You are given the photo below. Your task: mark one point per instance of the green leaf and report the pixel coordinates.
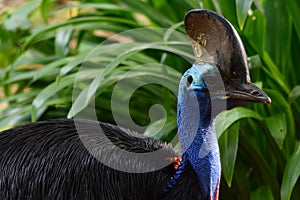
(50, 91)
(159, 3)
(255, 31)
(277, 127)
(280, 105)
(281, 20)
(150, 12)
(161, 129)
(225, 119)
(228, 143)
(195, 3)
(262, 193)
(19, 19)
(119, 53)
(254, 62)
(291, 174)
(51, 69)
(100, 6)
(293, 8)
(105, 23)
(227, 8)
(78, 105)
(48, 70)
(20, 96)
(272, 71)
(264, 169)
(295, 93)
(62, 39)
(133, 48)
(75, 62)
(45, 7)
(14, 117)
(242, 8)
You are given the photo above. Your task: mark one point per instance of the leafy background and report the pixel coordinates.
(43, 44)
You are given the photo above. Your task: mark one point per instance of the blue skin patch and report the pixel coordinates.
(196, 129)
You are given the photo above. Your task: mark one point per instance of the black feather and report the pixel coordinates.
(47, 160)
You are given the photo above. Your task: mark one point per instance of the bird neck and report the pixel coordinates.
(199, 142)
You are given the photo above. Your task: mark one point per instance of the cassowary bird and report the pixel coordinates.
(50, 160)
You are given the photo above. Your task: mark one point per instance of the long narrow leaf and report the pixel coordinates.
(225, 119)
(228, 142)
(263, 192)
(291, 175)
(242, 8)
(295, 93)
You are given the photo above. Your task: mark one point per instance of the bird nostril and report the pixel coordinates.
(255, 92)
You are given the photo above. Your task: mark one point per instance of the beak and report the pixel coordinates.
(246, 93)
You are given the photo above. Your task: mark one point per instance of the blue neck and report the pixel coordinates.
(199, 141)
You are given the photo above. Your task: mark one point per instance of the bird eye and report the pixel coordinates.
(189, 80)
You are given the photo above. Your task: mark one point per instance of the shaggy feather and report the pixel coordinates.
(47, 160)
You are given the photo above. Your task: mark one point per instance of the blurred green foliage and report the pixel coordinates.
(43, 44)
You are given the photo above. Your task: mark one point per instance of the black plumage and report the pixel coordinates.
(53, 163)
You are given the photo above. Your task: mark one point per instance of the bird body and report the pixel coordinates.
(51, 162)
(78, 159)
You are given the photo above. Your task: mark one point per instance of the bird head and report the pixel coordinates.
(220, 61)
